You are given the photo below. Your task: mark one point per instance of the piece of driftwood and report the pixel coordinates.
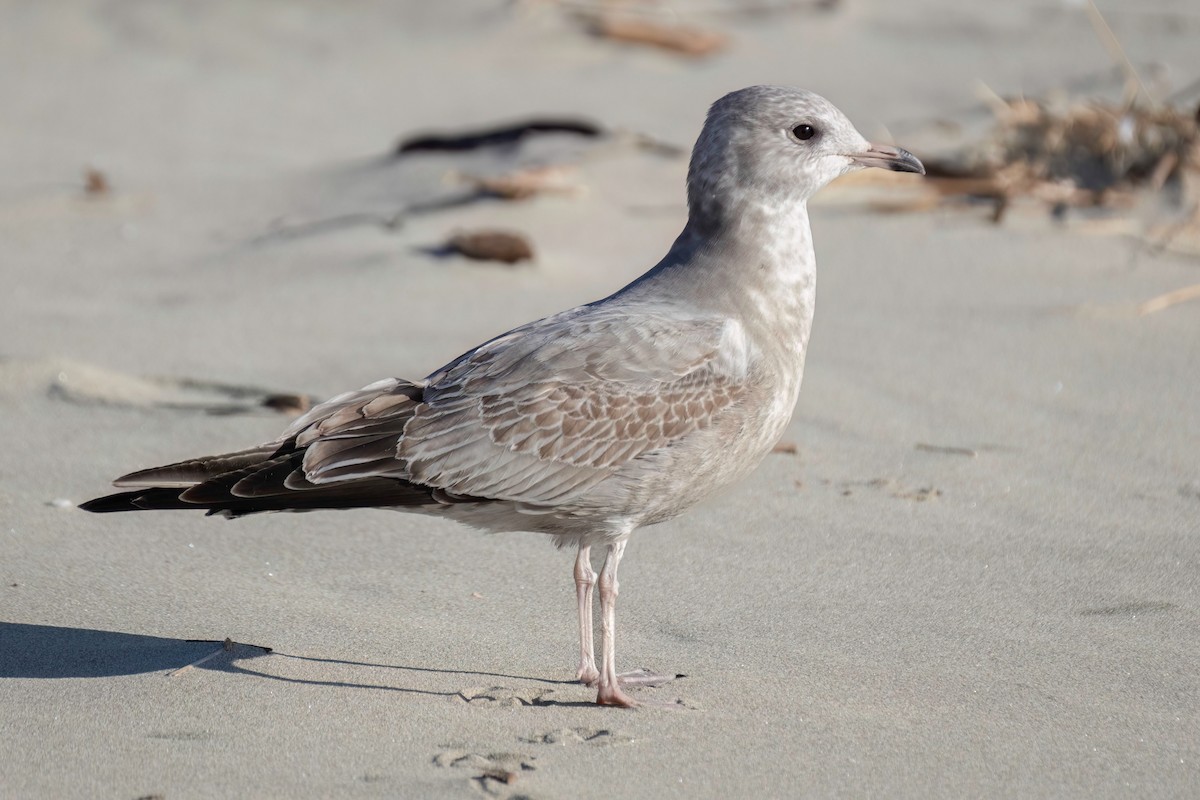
(505, 134)
(1169, 299)
(682, 39)
(490, 245)
(522, 184)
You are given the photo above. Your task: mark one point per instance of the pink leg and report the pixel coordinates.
(585, 579)
(609, 687)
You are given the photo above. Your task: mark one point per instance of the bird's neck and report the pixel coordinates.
(757, 256)
(770, 240)
(757, 268)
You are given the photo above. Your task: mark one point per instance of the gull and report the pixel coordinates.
(602, 419)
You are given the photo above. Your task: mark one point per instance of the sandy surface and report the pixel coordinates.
(872, 616)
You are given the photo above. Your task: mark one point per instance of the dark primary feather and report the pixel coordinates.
(194, 470)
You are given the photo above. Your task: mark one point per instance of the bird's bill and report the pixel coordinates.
(884, 156)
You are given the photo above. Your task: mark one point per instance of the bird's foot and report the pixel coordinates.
(611, 695)
(638, 677)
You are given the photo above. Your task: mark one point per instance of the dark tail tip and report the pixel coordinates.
(148, 499)
(111, 503)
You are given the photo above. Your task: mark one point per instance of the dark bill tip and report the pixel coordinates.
(884, 156)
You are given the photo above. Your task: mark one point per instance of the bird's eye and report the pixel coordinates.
(804, 132)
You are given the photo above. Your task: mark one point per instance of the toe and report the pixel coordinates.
(613, 696)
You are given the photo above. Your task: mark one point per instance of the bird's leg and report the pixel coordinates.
(609, 687)
(585, 579)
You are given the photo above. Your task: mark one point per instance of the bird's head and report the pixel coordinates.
(776, 144)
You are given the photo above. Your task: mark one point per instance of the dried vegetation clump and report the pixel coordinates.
(1084, 153)
(1095, 155)
(1089, 154)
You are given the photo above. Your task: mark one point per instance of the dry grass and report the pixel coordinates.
(1087, 155)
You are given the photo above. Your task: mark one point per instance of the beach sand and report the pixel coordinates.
(976, 575)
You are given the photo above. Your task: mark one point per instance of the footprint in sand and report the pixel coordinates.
(495, 773)
(504, 697)
(594, 737)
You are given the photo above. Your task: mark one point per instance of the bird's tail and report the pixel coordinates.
(272, 477)
(251, 482)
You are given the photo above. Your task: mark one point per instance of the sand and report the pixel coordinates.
(976, 576)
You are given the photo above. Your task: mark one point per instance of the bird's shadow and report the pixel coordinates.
(52, 652)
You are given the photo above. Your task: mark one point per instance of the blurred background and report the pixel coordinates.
(159, 155)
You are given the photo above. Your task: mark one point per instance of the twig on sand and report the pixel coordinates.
(1113, 45)
(522, 184)
(684, 40)
(389, 222)
(743, 8)
(1168, 299)
(946, 449)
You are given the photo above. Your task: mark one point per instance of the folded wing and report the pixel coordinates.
(537, 416)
